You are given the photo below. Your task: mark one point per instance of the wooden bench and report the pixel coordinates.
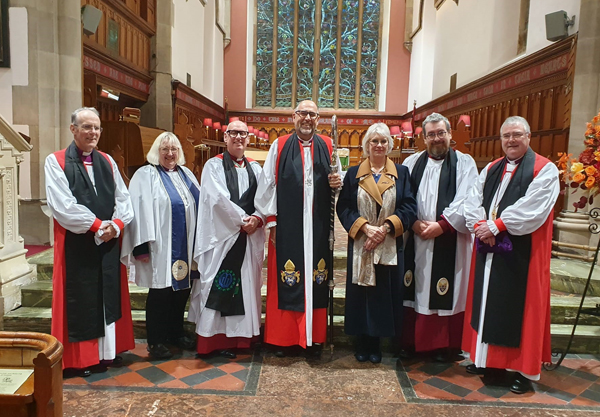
(41, 394)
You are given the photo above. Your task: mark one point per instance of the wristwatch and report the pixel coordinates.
(387, 227)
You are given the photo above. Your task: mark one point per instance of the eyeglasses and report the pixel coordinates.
(167, 150)
(237, 133)
(516, 135)
(89, 128)
(304, 113)
(440, 134)
(376, 142)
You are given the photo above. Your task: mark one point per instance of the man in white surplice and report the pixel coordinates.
(510, 206)
(226, 317)
(437, 272)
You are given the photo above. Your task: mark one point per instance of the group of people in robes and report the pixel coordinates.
(440, 258)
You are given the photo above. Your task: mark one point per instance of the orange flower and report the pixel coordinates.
(590, 170)
(579, 177)
(590, 182)
(595, 119)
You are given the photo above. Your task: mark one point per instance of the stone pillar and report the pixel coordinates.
(586, 83)
(158, 110)
(15, 271)
(572, 227)
(53, 91)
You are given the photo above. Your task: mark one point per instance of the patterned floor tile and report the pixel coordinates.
(184, 371)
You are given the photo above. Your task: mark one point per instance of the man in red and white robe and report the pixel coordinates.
(507, 320)
(91, 313)
(294, 196)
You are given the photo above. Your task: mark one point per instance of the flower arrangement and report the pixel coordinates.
(583, 173)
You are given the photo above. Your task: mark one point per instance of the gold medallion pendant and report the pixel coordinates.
(408, 278)
(442, 286)
(179, 270)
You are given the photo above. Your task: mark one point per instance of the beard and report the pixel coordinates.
(438, 151)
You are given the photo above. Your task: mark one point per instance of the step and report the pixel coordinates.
(570, 276)
(39, 294)
(563, 306)
(45, 262)
(38, 319)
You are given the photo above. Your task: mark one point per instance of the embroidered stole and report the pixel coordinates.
(181, 271)
(226, 293)
(290, 231)
(441, 288)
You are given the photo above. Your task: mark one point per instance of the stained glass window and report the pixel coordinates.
(324, 50)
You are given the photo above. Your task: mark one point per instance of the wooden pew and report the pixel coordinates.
(42, 393)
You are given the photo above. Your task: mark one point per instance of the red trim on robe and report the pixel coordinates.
(500, 225)
(535, 335)
(96, 225)
(119, 223)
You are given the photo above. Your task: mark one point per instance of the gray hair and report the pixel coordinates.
(75, 114)
(376, 129)
(165, 138)
(516, 120)
(435, 118)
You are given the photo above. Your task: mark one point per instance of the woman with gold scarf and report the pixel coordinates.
(376, 205)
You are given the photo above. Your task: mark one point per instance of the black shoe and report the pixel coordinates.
(98, 368)
(472, 369)
(159, 351)
(314, 351)
(280, 353)
(117, 362)
(75, 373)
(406, 354)
(227, 354)
(361, 356)
(521, 385)
(185, 343)
(375, 357)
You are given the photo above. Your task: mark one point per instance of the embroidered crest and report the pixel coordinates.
(226, 279)
(442, 286)
(408, 277)
(320, 274)
(179, 270)
(290, 276)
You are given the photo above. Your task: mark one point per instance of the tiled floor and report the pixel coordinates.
(334, 385)
(182, 373)
(575, 382)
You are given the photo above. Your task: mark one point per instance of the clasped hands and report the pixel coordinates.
(484, 234)
(427, 230)
(250, 224)
(375, 235)
(108, 232)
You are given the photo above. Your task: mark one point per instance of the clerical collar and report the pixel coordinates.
(238, 160)
(85, 156)
(169, 170)
(305, 143)
(516, 161)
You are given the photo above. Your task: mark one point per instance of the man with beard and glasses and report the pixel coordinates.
(509, 208)
(230, 244)
(294, 196)
(438, 250)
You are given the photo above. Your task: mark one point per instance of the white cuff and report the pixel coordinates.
(493, 227)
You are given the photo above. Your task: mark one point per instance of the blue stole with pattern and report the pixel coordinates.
(181, 271)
